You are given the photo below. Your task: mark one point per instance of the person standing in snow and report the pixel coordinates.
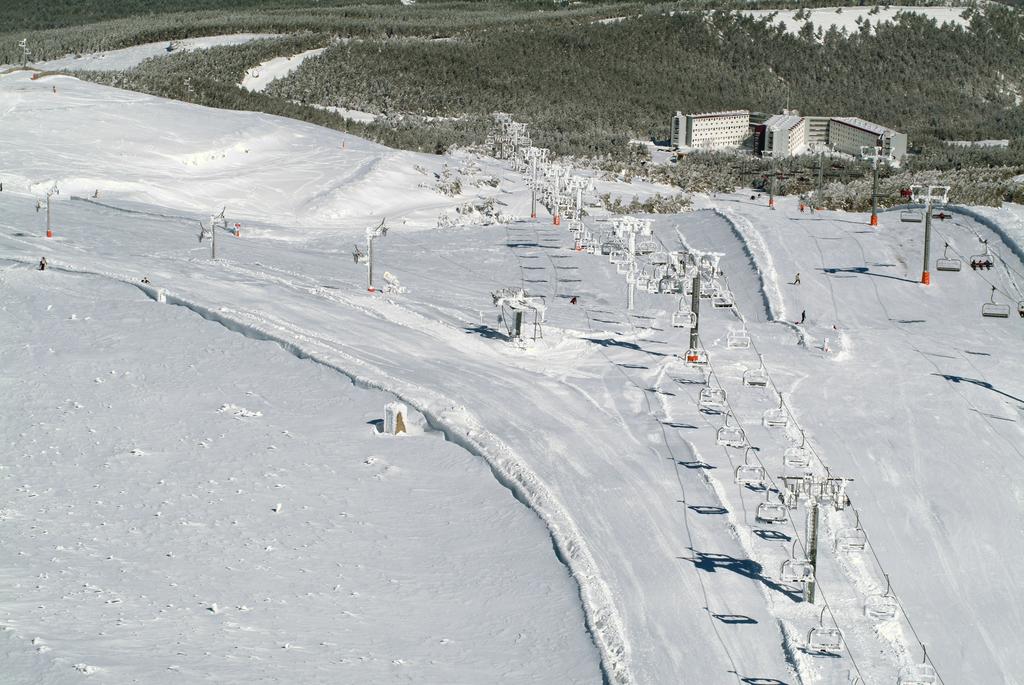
(796, 281)
(42, 264)
(573, 300)
(803, 316)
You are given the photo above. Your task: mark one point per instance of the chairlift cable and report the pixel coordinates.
(1002, 260)
(797, 537)
(682, 488)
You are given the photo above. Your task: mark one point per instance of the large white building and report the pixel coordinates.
(849, 134)
(785, 135)
(710, 130)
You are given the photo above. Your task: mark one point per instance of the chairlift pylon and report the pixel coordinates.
(825, 640)
(883, 606)
(947, 263)
(994, 309)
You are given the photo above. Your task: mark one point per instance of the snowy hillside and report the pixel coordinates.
(259, 77)
(126, 58)
(563, 511)
(849, 18)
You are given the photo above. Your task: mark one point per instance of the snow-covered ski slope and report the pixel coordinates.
(126, 58)
(595, 428)
(259, 77)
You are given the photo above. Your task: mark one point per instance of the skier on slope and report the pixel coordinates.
(796, 281)
(803, 316)
(42, 264)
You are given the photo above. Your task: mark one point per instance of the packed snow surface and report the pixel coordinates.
(186, 502)
(259, 77)
(126, 58)
(594, 427)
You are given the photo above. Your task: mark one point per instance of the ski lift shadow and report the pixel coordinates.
(706, 509)
(735, 619)
(486, 332)
(712, 562)
(863, 271)
(772, 535)
(981, 384)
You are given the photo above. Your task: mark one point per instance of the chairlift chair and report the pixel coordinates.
(911, 216)
(730, 436)
(796, 569)
(696, 356)
(617, 256)
(708, 288)
(659, 258)
(917, 674)
(770, 511)
(921, 673)
(947, 263)
(682, 318)
(646, 247)
(824, 640)
(994, 309)
(883, 606)
(756, 378)
(712, 400)
(798, 457)
(852, 538)
(622, 267)
(667, 284)
(777, 417)
(982, 261)
(724, 299)
(608, 246)
(737, 339)
(748, 473)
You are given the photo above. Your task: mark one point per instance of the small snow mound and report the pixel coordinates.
(238, 412)
(85, 668)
